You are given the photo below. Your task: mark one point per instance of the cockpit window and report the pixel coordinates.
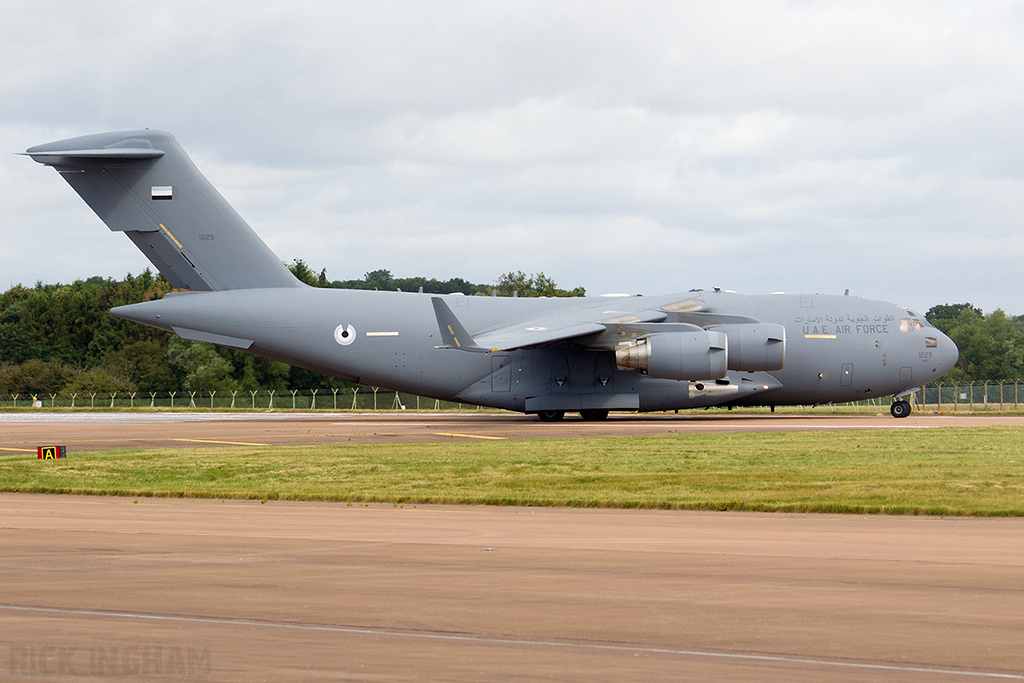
(910, 325)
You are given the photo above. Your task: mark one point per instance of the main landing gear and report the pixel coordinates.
(900, 408)
(591, 415)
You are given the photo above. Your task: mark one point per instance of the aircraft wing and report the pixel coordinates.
(543, 328)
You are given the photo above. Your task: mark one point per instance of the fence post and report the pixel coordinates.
(354, 393)
(335, 391)
(212, 394)
(294, 391)
(152, 399)
(191, 399)
(53, 400)
(73, 400)
(132, 396)
(375, 390)
(271, 406)
(312, 401)
(112, 399)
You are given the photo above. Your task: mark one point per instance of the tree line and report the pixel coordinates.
(60, 338)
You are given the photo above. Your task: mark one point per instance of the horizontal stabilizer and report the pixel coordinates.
(55, 157)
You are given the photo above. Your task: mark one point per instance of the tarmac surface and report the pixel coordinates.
(111, 588)
(22, 432)
(94, 588)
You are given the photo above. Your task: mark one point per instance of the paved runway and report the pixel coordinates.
(22, 432)
(96, 588)
(101, 588)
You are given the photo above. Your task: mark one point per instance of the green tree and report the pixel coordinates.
(532, 285)
(142, 364)
(99, 380)
(202, 367)
(34, 377)
(301, 270)
(991, 346)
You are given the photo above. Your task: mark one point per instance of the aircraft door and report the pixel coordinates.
(501, 373)
(846, 375)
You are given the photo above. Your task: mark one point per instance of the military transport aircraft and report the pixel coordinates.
(545, 356)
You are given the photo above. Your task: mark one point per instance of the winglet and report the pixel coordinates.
(454, 335)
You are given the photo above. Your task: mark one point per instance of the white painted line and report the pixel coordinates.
(514, 641)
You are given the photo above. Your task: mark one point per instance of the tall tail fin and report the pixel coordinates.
(143, 184)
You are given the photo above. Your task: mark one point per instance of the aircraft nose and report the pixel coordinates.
(949, 353)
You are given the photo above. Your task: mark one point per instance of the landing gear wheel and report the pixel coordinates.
(594, 415)
(900, 408)
(551, 415)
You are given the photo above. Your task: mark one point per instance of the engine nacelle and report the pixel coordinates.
(676, 355)
(755, 346)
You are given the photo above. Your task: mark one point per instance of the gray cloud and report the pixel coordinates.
(643, 147)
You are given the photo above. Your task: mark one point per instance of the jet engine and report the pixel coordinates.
(755, 346)
(676, 355)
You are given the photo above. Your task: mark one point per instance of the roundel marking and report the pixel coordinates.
(344, 335)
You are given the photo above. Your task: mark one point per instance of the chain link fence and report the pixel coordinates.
(363, 398)
(969, 397)
(973, 396)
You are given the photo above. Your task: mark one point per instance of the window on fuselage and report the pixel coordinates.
(910, 325)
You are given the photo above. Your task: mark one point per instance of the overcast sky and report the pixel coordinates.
(626, 147)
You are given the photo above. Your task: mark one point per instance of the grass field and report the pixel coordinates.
(947, 471)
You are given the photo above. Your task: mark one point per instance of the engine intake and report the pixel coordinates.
(677, 355)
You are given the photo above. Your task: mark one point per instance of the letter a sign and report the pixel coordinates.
(51, 452)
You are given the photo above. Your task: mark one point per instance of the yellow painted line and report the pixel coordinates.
(471, 436)
(173, 238)
(454, 337)
(819, 336)
(17, 450)
(230, 443)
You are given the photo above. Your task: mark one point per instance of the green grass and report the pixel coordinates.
(948, 471)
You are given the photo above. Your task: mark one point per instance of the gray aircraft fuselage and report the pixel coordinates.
(547, 356)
